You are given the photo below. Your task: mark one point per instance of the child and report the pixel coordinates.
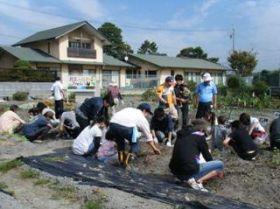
(219, 134)
(254, 127)
(241, 142)
(9, 120)
(184, 163)
(69, 127)
(40, 127)
(88, 141)
(274, 132)
(162, 127)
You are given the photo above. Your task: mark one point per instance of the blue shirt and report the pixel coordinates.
(32, 128)
(206, 92)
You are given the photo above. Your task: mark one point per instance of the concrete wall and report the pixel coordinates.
(38, 89)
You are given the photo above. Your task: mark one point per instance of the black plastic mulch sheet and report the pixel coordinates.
(91, 172)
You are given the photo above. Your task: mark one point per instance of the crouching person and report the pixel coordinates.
(241, 142)
(40, 127)
(88, 141)
(274, 132)
(162, 127)
(184, 163)
(124, 126)
(69, 127)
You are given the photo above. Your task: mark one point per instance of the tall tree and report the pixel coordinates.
(244, 61)
(118, 48)
(148, 47)
(196, 52)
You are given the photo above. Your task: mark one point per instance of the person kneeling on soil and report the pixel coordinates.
(88, 141)
(274, 132)
(10, 121)
(184, 164)
(241, 142)
(69, 127)
(254, 127)
(40, 127)
(124, 126)
(162, 127)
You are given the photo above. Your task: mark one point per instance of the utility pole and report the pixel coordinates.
(232, 36)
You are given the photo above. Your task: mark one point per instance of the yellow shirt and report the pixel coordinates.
(167, 93)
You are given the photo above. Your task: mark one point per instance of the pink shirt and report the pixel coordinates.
(9, 120)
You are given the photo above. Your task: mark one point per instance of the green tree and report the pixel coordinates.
(196, 52)
(22, 64)
(245, 62)
(118, 48)
(148, 47)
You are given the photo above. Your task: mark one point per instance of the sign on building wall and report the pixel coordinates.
(79, 81)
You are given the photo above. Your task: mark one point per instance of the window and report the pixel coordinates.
(79, 44)
(75, 70)
(172, 72)
(109, 76)
(150, 73)
(49, 47)
(132, 73)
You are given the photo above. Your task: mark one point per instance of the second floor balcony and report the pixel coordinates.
(81, 53)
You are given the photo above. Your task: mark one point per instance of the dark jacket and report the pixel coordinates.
(187, 149)
(274, 129)
(93, 108)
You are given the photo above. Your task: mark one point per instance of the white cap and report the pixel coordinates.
(207, 77)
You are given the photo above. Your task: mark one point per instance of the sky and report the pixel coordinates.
(172, 24)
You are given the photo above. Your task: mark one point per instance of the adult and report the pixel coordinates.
(206, 96)
(185, 162)
(241, 142)
(162, 127)
(115, 93)
(10, 121)
(59, 95)
(274, 132)
(92, 108)
(167, 98)
(254, 127)
(40, 127)
(88, 141)
(69, 127)
(182, 97)
(124, 126)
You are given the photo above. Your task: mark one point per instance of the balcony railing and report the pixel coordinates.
(81, 53)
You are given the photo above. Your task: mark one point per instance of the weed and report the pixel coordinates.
(17, 137)
(41, 182)
(91, 204)
(6, 166)
(276, 157)
(29, 174)
(67, 192)
(3, 185)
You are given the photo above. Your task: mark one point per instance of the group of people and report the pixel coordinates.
(97, 134)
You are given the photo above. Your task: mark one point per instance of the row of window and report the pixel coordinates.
(78, 44)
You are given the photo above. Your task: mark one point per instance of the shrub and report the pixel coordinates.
(222, 90)
(191, 85)
(22, 64)
(260, 88)
(149, 95)
(234, 82)
(20, 96)
(72, 97)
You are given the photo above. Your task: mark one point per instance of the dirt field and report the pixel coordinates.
(255, 182)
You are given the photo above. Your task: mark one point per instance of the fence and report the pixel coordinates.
(141, 83)
(27, 75)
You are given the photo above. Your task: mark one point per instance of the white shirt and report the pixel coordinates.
(85, 141)
(57, 90)
(70, 115)
(255, 122)
(132, 117)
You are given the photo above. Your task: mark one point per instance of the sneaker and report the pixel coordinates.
(196, 186)
(169, 144)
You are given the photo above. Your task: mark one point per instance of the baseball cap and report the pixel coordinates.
(207, 77)
(145, 106)
(169, 79)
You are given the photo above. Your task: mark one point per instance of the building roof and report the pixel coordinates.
(55, 33)
(111, 61)
(178, 62)
(36, 55)
(29, 54)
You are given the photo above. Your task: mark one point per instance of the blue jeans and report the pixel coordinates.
(205, 168)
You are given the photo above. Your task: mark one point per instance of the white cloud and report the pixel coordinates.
(16, 11)
(90, 9)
